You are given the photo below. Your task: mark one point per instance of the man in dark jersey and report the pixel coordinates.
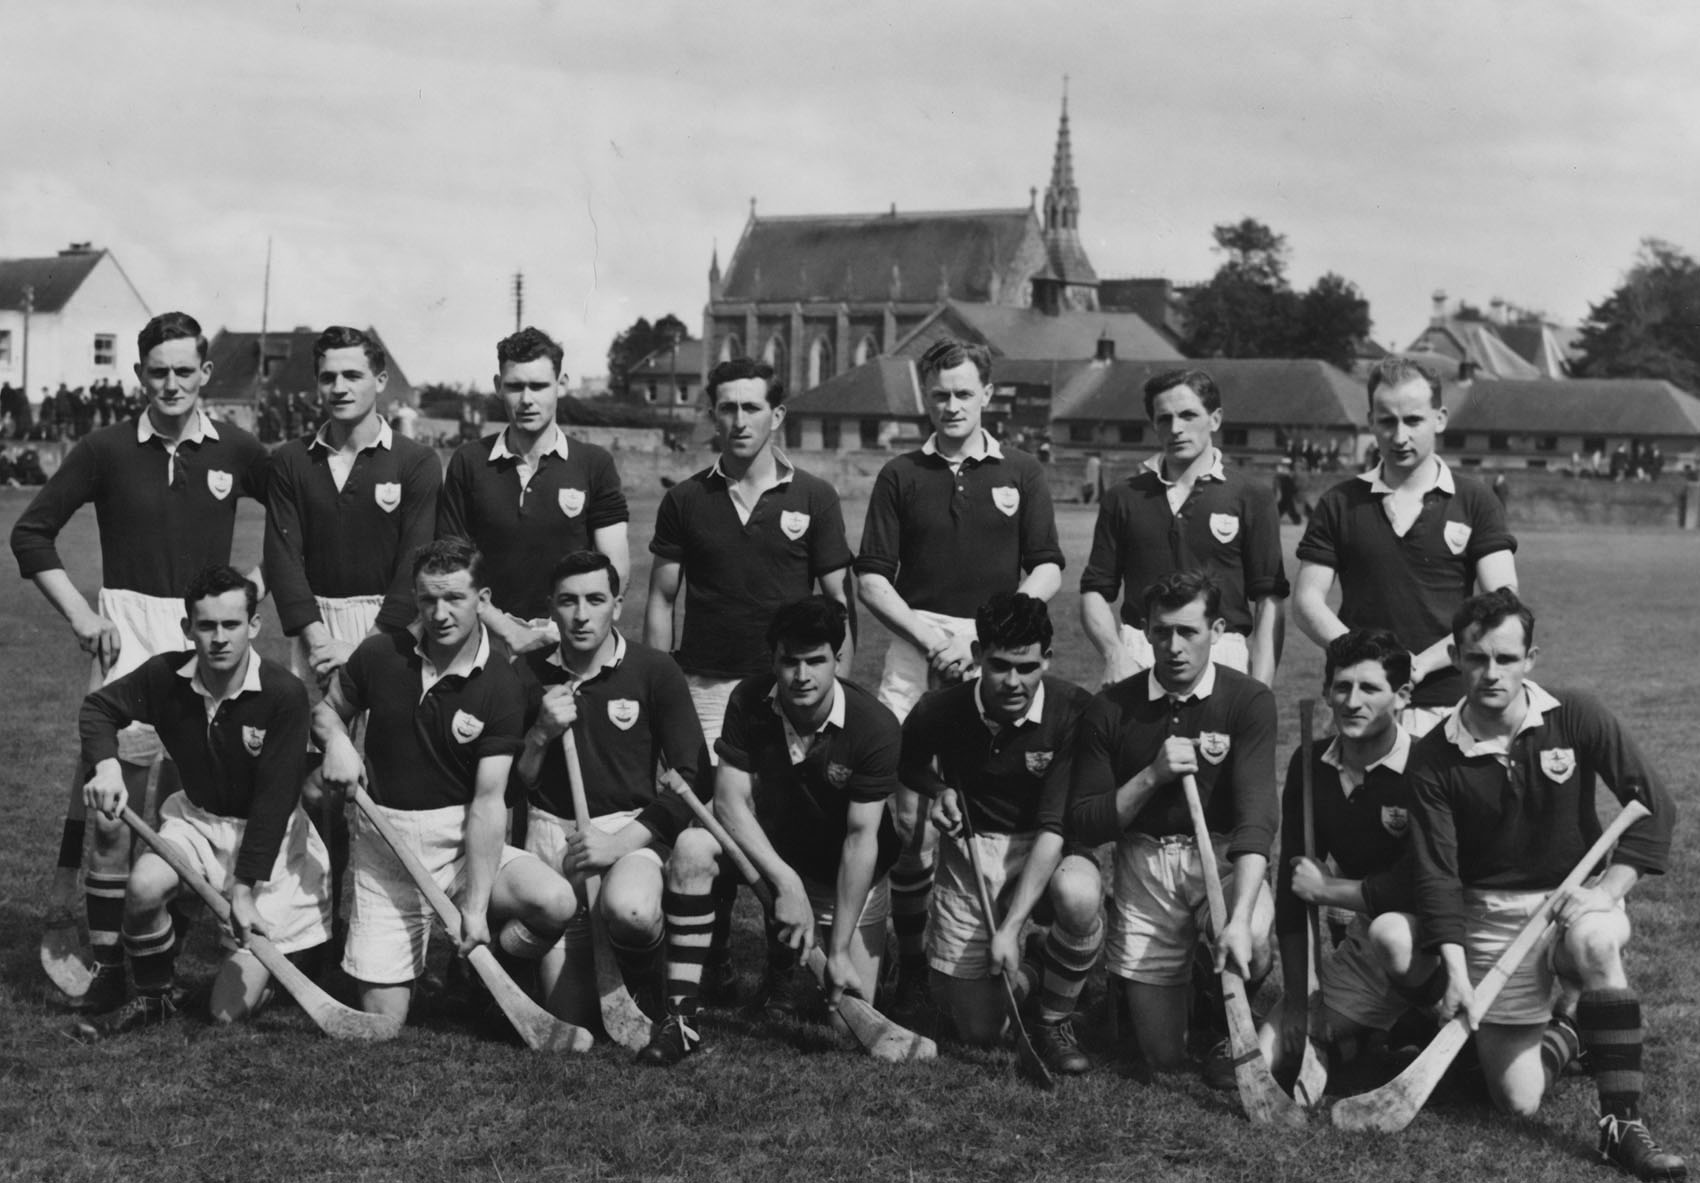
(236, 726)
(1408, 541)
(164, 488)
(1000, 749)
(528, 494)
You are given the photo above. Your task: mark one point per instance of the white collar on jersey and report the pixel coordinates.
(614, 659)
(1155, 690)
(1035, 709)
(1440, 477)
(386, 436)
(1458, 735)
(982, 446)
(1154, 464)
(500, 451)
(250, 680)
(202, 429)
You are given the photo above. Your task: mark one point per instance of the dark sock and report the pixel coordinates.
(1610, 1025)
(153, 957)
(1067, 960)
(104, 899)
(690, 921)
(911, 887)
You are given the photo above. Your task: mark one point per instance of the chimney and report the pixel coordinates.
(78, 248)
(1499, 311)
(1438, 316)
(1106, 348)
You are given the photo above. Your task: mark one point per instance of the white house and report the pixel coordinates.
(81, 324)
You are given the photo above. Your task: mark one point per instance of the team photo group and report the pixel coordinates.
(463, 740)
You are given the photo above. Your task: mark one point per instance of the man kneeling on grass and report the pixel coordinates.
(1004, 746)
(1361, 805)
(629, 710)
(236, 726)
(1503, 807)
(445, 720)
(807, 763)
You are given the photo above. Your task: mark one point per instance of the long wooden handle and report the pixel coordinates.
(1206, 855)
(712, 824)
(575, 776)
(422, 878)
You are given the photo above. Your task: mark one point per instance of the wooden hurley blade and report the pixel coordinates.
(881, 1037)
(65, 957)
(1391, 1107)
(540, 1030)
(1026, 1056)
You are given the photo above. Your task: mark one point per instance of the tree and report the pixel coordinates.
(633, 344)
(1650, 326)
(1249, 309)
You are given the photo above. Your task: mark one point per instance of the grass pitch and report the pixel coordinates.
(455, 1100)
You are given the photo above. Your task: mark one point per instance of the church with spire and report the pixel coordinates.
(817, 295)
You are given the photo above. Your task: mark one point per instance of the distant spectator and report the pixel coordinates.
(1501, 487)
(1092, 480)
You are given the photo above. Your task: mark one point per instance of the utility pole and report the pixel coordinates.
(265, 314)
(519, 300)
(29, 307)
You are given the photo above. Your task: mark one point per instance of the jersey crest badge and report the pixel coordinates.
(1038, 763)
(571, 501)
(388, 495)
(1395, 820)
(1225, 527)
(253, 739)
(793, 524)
(465, 727)
(1558, 764)
(219, 483)
(1007, 498)
(1213, 746)
(623, 712)
(1457, 535)
(837, 775)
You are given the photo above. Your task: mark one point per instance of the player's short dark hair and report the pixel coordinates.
(1013, 620)
(739, 369)
(528, 344)
(1200, 383)
(947, 353)
(1396, 371)
(214, 580)
(806, 623)
(1369, 644)
(343, 337)
(583, 562)
(445, 556)
(170, 326)
(1180, 588)
(1490, 610)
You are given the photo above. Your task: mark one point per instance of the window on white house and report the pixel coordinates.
(5, 347)
(105, 349)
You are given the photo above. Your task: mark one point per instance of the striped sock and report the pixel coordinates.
(103, 897)
(690, 930)
(911, 888)
(1067, 960)
(1610, 1024)
(152, 958)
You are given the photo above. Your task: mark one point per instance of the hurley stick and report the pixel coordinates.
(1313, 1073)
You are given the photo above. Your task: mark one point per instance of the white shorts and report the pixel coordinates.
(346, 618)
(1159, 908)
(1354, 986)
(389, 919)
(1231, 649)
(876, 910)
(709, 696)
(294, 901)
(1492, 920)
(147, 626)
(546, 837)
(958, 941)
(907, 675)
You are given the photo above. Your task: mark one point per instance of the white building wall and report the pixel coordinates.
(61, 344)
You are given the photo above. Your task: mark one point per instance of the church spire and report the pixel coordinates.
(1069, 279)
(1062, 199)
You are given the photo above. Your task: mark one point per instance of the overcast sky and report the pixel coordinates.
(408, 158)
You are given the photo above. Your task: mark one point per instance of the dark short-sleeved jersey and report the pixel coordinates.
(804, 808)
(1408, 585)
(1233, 728)
(162, 518)
(1523, 822)
(1228, 527)
(633, 714)
(522, 532)
(737, 574)
(951, 540)
(1014, 781)
(1366, 834)
(247, 761)
(423, 746)
(354, 541)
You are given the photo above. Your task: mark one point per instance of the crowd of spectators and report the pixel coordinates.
(68, 413)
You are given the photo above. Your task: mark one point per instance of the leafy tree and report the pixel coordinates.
(633, 344)
(1249, 309)
(1650, 326)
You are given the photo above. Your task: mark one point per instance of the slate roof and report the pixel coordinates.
(1542, 346)
(1255, 392)
(1479, 342)
(236, 364)
(1029, 334)
(55, 279)
(1578, 406)
(882, 386)
(851, 257)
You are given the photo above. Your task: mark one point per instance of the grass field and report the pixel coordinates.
(452, 1101)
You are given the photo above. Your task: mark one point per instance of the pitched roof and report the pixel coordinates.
(861, 257)
(883, 386)
(1475, 341)
(1027, 333)
(686, 359)
(55, 279)
(1538, 344)
(236, 364)
(1255, 392)
(1578, 406)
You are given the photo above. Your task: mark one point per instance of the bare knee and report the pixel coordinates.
(1392, 940)
(150, 887)
(1594, 947)
(1077, 895)
(694, 862)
